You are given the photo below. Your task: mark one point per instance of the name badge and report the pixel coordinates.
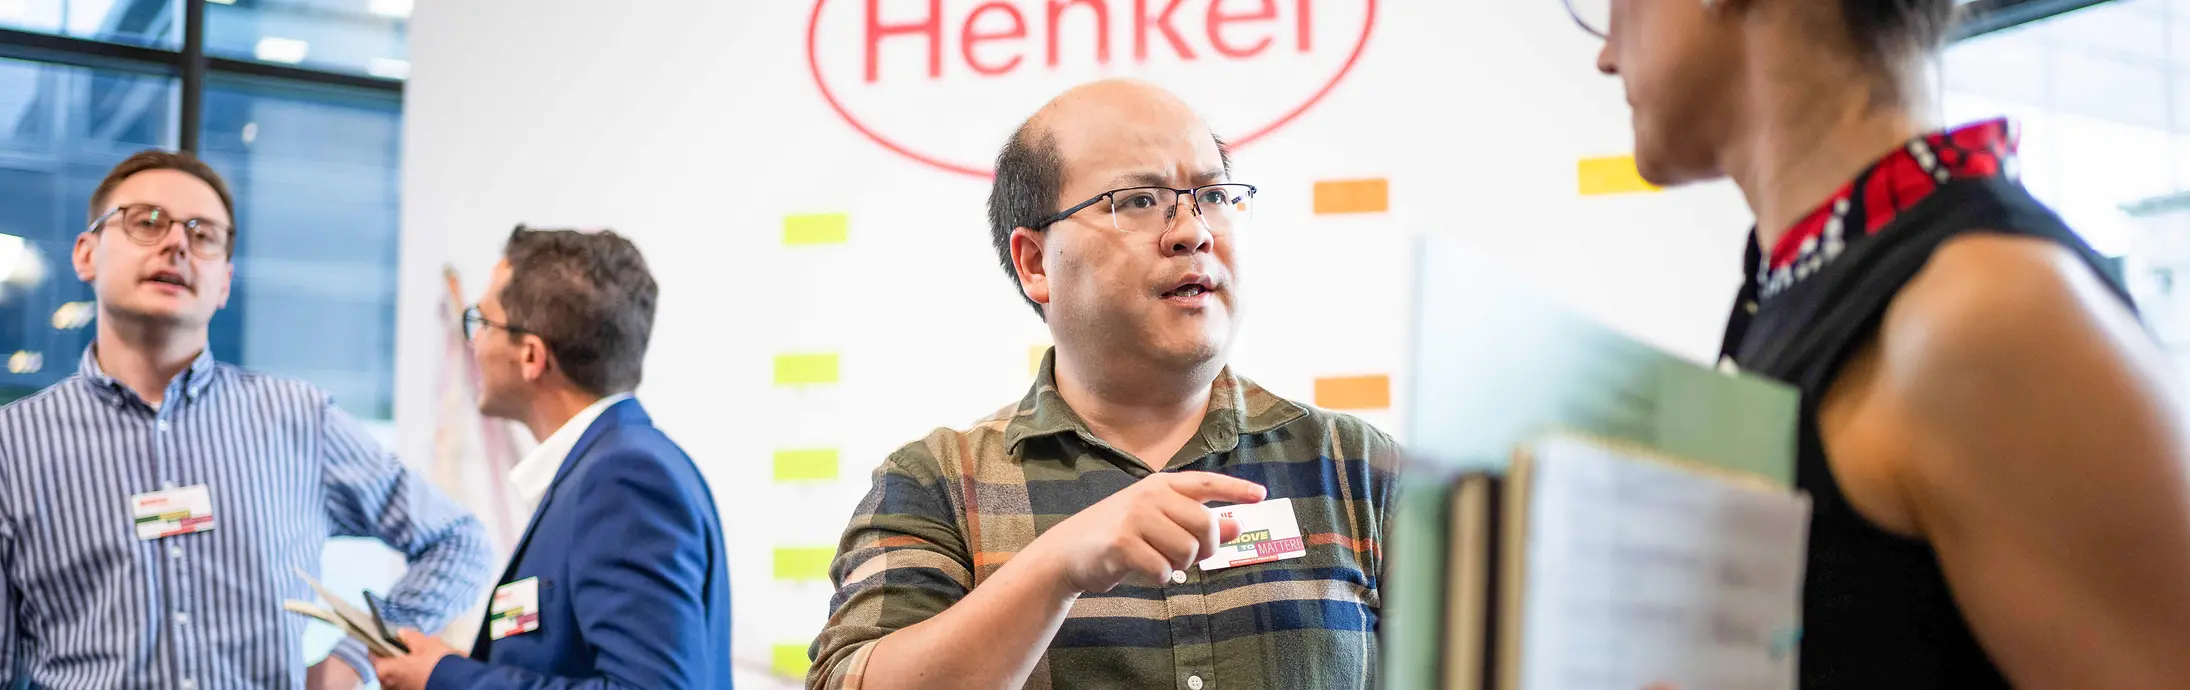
(1268, 531)
(515, 609)
(162, 514)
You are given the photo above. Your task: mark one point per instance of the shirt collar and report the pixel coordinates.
(1237, 407)
(1865, 204)
(191, 383)
(533, 475)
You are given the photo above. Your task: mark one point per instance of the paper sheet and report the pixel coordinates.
(1643, 576)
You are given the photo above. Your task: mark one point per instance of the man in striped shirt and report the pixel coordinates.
(1059, 543)
(156, 507)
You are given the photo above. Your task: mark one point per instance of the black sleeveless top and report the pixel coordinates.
(1876, 609)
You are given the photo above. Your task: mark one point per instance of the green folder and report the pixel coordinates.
(1495, 364)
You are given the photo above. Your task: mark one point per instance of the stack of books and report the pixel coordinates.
(1580, 510)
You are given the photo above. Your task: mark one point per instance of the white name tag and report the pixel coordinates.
(162, 514)
(515, 609)
(1268, 531)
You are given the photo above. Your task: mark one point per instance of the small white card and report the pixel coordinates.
(515, 609)
(1268, 531)
(162, 514)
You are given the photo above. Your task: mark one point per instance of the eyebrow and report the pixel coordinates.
(1145, 178)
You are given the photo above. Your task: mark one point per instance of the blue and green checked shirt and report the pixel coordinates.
(946, 512)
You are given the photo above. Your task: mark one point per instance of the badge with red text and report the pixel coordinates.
(162, 514)
(1267, 532)
(515, 609)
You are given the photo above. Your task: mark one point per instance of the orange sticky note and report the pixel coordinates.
(1372, 392)
(1353, 196)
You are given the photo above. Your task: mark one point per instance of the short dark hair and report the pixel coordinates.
(1030, 174)
(1893, 29)
(589, 295)
(155, 159)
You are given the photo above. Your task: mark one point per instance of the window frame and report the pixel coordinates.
(189, 64)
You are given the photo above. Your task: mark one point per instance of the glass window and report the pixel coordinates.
(61, 128)
(356, 36)
(316, 243)
(151, 23)
(2103, 95)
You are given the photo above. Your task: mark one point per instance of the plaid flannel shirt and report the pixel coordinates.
(948, 511)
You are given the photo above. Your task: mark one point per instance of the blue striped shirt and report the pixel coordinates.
(86, 604)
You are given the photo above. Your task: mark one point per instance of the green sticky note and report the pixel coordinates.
(806, 369)
(790, 660)
(817, 228)
(804, 562)
(805, 465)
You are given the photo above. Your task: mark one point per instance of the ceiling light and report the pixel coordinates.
(11, 255)
(26, 362)
(283, 50)
(398, 9)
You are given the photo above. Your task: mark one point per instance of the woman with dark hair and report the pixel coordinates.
(1995, 446)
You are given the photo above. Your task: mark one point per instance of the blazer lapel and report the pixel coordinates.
(619, 414)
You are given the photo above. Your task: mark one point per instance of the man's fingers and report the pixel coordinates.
(1227, 530)
(1196, 520)
(1177, 543)
(1204, 487)
(1146, 567)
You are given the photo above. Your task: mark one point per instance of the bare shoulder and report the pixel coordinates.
(2010, 349)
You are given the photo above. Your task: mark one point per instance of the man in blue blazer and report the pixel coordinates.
(620, 580)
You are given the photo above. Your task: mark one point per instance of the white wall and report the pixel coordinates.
(694, 127)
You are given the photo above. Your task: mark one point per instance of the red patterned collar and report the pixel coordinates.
(1892, 185)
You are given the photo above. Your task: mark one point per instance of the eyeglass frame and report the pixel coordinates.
(190, 225)
(1586, 28)
(1062, 216)
(473, 314)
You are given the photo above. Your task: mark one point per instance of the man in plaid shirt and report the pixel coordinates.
(1056, 544)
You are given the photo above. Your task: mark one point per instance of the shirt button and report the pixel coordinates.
(174, 552)
(163, 425)
(167, 483)
(1193, 683)
(1750, 307)
(182, 618)
(1178, 577)
(187, 684)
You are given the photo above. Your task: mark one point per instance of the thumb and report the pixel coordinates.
(1227, 530)
(411, 638)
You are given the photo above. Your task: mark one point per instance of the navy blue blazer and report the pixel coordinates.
(634, 585)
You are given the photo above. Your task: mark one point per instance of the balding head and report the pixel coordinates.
(1078, 124)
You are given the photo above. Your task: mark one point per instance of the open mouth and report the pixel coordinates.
(1188, 290)
(168, 278)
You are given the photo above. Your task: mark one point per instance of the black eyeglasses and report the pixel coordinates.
(473, 319)
(1219, 207)
(148, 224)
(1594, 16)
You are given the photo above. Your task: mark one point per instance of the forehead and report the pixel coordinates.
(1109, 143)
(179, 192)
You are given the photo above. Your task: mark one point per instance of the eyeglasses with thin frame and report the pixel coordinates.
(1594, 16)
(148, 224)
(1224, 207)
(474, 319)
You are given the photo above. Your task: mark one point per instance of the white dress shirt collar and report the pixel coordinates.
(536, 472)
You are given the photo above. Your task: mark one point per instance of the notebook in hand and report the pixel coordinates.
(366, 627)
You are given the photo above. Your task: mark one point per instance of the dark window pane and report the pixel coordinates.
(61, 128)
(357, 36)
(314, 171)
(154, 23)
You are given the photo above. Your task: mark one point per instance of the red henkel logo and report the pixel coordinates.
(943, 82)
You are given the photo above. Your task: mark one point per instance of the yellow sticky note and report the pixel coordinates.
(803, 562)
(1612, 175)
(1354, 392)
(789, 660)
(806, 369)
(817, 228)
(1353, 196)
(806, 465)
(1034, 359)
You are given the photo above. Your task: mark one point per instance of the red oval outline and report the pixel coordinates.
(813, 66)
